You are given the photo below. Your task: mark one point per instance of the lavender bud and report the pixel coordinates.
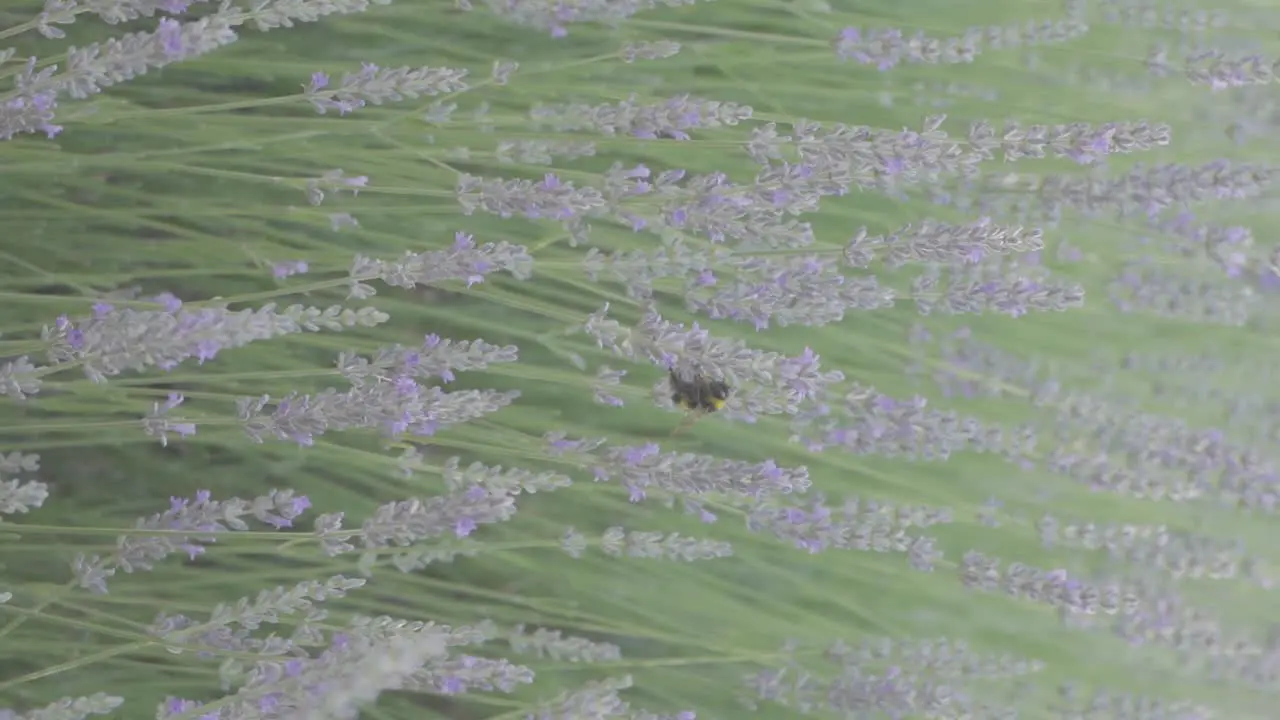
(497, 479)
(606, 378)
(503, 70)
(19, 379)
(203, 517)
(759, 215)
(867, 422)
(266, 608)
(645, 470)
(552, 17)
(594, 700)
(866, 526)
(888, 47)
(336, 684)
(32, 108)
(935, 242)
(638, 269)
(542, 152)
(1219, 72)
(436, 357)
(159, 424)
(333, 538)
(649, 50)
(551, 198)
(64, 12)
(17, 496)
(618, 542)
(543, 643)
(71, 708)
(458, 514)
(884, 677)
(1147, 287)
(1080, 142)
(94, 67)
(333, 181)
(465, 260)
(394, 407)
(574, 543)
(672, 118)
(282, 270)
(16, 462)
(1052, 587)
(465, 673)
(376, 85)
(114, 340)
(795, 291)
(874, 159)
(993, 286)
(341, 221)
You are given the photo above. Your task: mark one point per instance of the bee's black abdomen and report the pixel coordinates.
(698, 393)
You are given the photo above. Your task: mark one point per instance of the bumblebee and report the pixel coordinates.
(697, 394)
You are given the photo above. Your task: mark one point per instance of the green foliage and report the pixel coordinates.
(193, 180)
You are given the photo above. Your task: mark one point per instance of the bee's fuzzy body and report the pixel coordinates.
(698, 393)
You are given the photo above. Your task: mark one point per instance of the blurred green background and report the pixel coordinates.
(192, 180)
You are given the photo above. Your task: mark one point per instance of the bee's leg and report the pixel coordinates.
(686, 423)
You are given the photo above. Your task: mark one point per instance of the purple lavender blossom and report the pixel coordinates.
(77, 707)
(115, 340)
(92, 68)
(858, 525)
(376, 85)
(550, 198)
(804, 290)
(554, 17)
(672, 118)
(203, 517)
(395, 407)
(29, 114)
(333, 181)
(888, 47)
(289, 268)
(647, 471)
(464, 260)
(158, 423)
(435, 357)
(766, 383)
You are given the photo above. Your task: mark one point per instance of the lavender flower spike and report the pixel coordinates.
(464, 261)
(376, 85)
(114, 339)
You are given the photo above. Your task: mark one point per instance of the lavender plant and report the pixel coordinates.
(336, 341)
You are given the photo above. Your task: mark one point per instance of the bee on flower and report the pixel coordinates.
(698, 394)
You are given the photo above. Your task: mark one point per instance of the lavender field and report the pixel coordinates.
(336, 340)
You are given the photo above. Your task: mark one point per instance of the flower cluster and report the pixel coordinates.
(672, 118)
(465, 261)
(646, 470)
(767, 383)
(376, 85)
(436, 357)
(394, 407)
(889, 677)
(17, 496)
(887, 48)
(201, 518)
(867, 526)
(118, 339)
